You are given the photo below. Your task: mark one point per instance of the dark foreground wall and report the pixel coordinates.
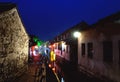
(13, 45)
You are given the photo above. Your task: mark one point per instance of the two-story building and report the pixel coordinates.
(99, 48)
(66, 45)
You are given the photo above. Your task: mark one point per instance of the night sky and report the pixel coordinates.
(48, 18)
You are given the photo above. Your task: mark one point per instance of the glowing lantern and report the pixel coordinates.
(52, 56)
(37, 41)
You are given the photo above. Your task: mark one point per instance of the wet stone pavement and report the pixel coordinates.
(34, 74)
(29, 75)
(71, 74)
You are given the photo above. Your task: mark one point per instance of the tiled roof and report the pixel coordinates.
(6, 6)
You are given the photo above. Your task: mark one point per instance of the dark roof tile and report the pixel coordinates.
(6, 6)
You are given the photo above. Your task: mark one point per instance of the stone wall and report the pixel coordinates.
(13, 45)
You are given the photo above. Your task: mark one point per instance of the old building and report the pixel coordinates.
(99, 48)
(66, 45)
(13, 43)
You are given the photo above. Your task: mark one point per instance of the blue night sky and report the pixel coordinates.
(48, 18)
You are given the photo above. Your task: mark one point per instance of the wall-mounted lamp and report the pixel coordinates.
(76, 34)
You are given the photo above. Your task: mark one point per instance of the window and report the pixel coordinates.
(90, 50)
(117, 21)
(107, 51)
(67, 49)
(83, 49)
(56, 46)
(119, 50)
(59, 46)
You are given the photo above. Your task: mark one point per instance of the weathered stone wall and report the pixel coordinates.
(13, 45)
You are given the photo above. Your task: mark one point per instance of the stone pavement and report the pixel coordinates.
(32, 74)
(29, 75)
(73, 74)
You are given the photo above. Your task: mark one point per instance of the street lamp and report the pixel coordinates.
(76, 34)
